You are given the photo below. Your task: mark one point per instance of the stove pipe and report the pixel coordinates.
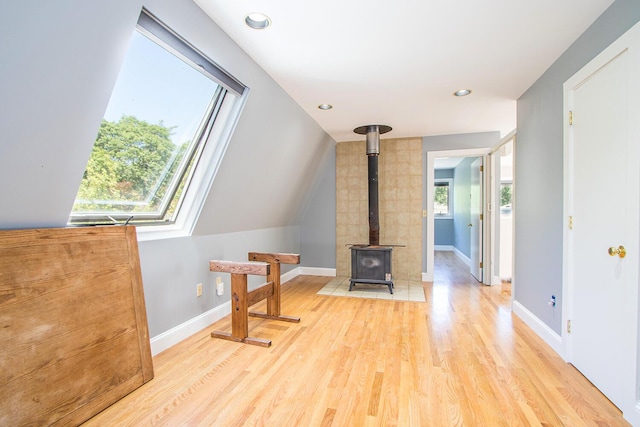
(373, 133)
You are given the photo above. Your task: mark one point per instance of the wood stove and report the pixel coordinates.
(372, 263)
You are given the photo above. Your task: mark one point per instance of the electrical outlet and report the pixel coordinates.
(219, 287)
(199, 290)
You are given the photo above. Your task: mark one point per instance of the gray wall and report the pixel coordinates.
(462, 206)
(318, 225)
(171, 268)
(443, 173)
(539, 167)
(443, 234)
(462, 141)
(60, 61)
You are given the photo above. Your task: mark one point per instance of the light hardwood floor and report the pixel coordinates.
(461, 358)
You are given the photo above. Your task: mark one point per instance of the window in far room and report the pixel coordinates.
(165, 129)
(443, 198)
(505, 196)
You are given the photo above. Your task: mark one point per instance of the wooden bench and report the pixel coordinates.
(261, 264)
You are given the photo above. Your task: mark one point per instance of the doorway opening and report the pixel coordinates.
(442, 213)
(502, 210)
(457, 205)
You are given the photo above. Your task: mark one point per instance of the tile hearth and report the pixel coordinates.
(404, 290)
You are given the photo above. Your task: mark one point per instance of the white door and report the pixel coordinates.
(603, 195)
(475, 225)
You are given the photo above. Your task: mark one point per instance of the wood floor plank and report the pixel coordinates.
(460, 358)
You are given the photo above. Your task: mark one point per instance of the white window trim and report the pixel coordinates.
(449, 181)
(217, 140)
(203, 176)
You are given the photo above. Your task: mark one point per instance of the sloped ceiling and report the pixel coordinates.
(398, 63)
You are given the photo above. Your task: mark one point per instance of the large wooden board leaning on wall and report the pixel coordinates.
(73, 325)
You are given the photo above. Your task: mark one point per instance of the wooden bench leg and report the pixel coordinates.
(239, 314)
(274, 301)
(241, 298)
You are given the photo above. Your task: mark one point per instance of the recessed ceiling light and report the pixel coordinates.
(325, 106)
(257, 21)
(462, 92)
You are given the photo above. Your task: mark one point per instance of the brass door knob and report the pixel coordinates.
(620, 251)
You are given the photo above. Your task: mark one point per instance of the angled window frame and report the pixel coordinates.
(210, 143)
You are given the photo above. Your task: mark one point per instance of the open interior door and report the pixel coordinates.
(475, 224)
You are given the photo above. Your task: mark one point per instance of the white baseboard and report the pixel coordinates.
(442, 248)
(314, 271)
(633, 416)
(547, 334)
(173, 336)
(290, 275)
(462, 256)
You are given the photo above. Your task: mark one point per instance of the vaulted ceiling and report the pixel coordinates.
(398, 63)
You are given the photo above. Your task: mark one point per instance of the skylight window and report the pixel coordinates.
(169, 115)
